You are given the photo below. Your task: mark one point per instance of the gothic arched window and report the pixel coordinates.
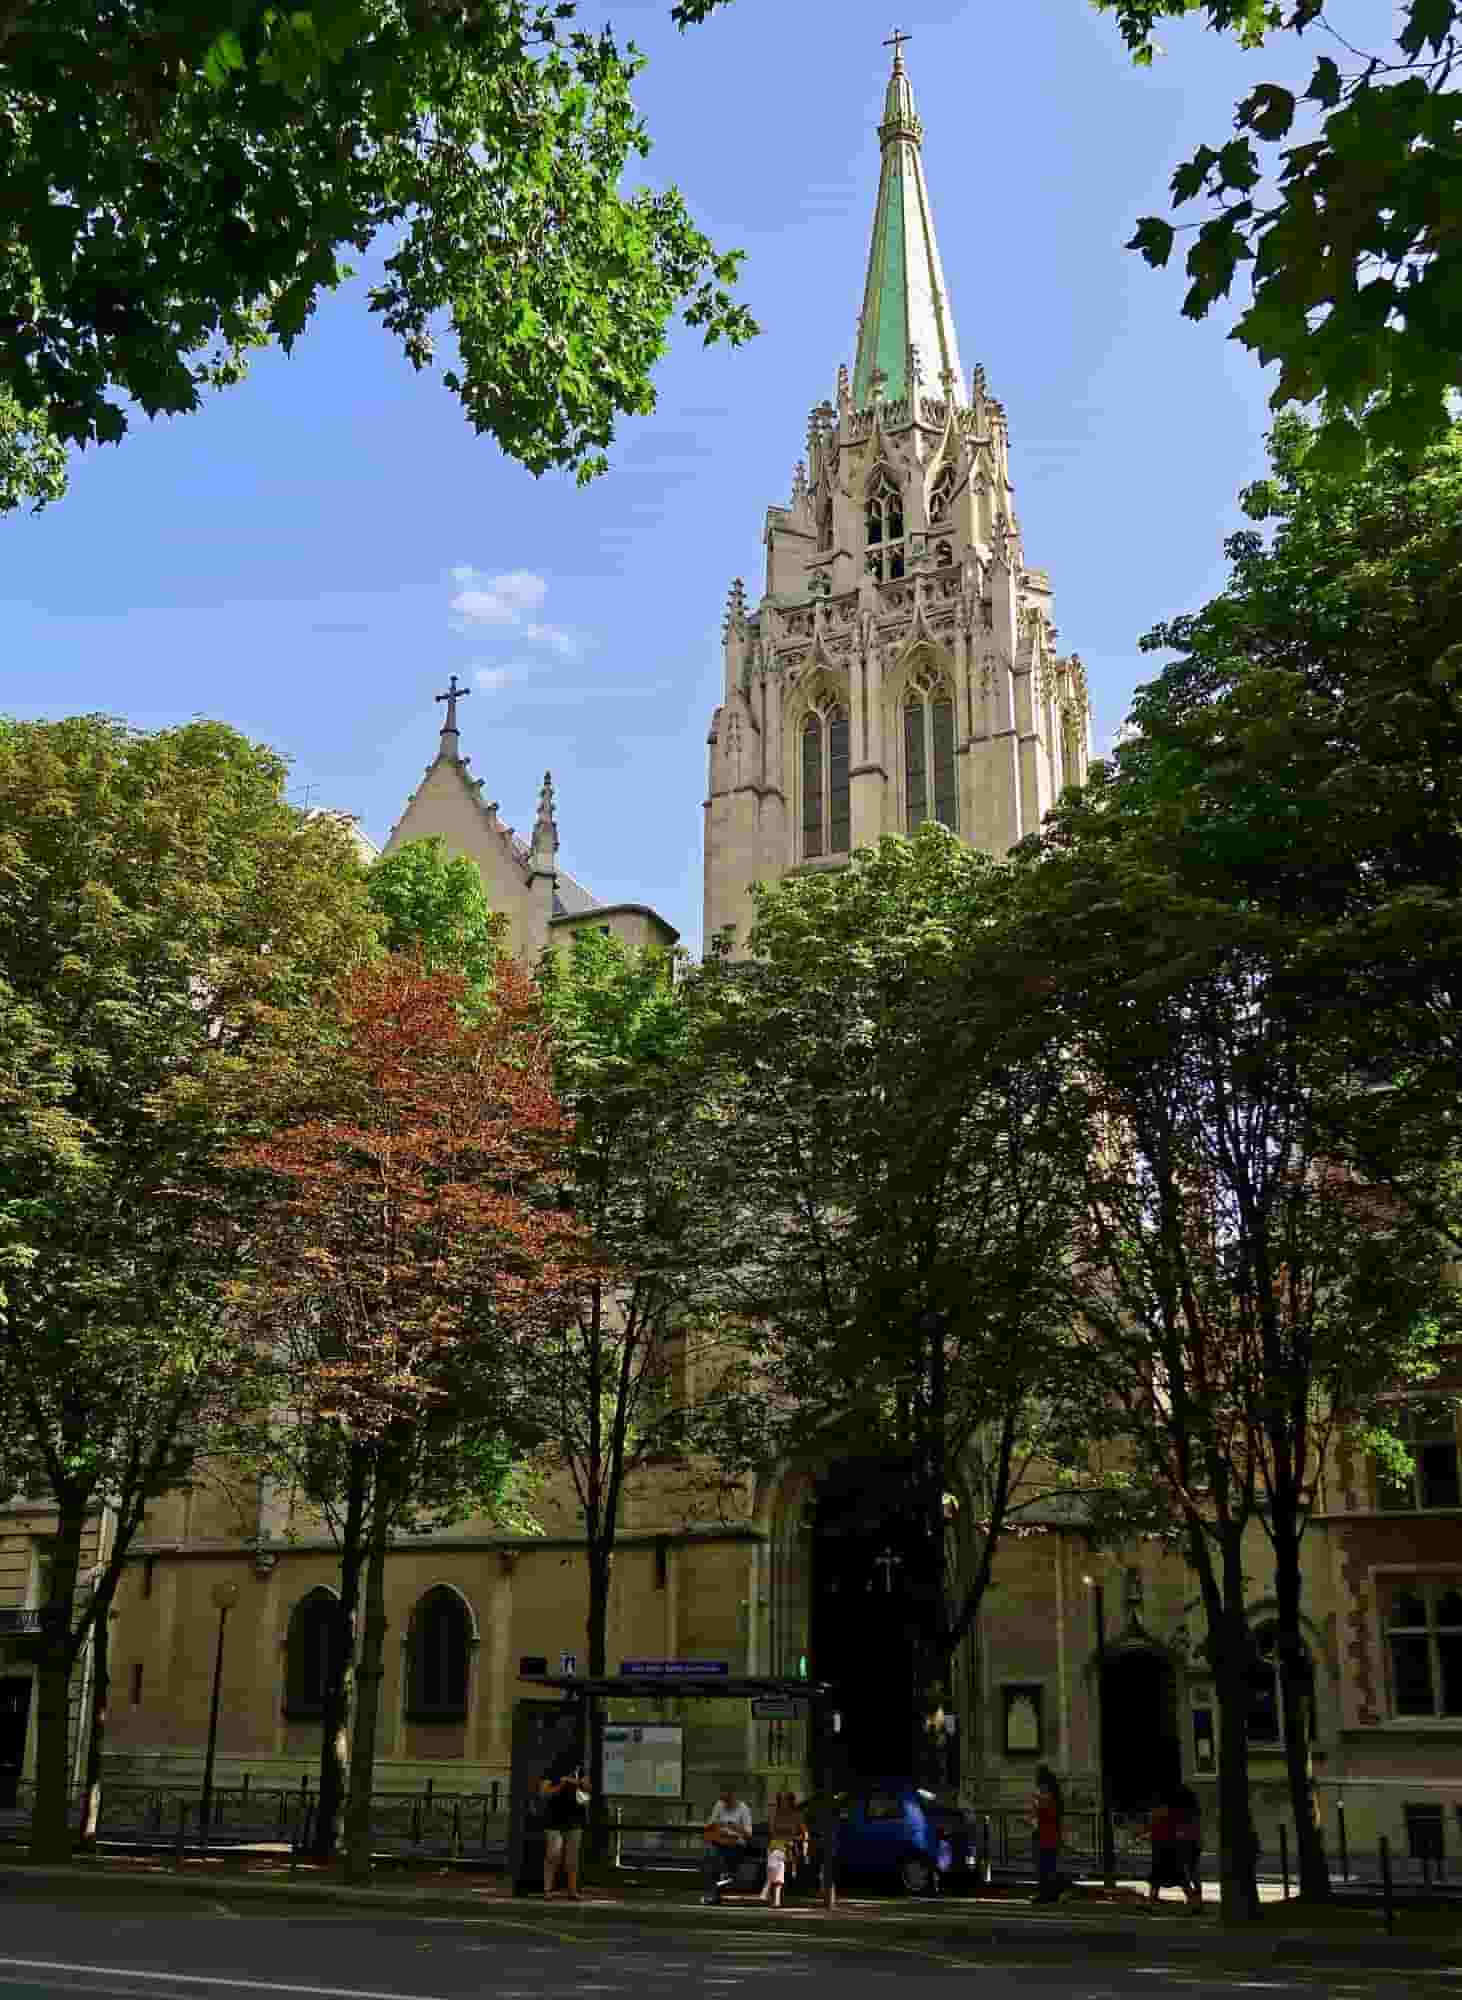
(441, 1636)
(825, 806)
(825, 522)
(311, 1649)
(883, 511)
(929, 775)
(941, 493)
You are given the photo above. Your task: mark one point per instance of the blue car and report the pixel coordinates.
(892, 1828)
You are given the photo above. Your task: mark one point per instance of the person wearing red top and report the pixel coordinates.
(1162, 1831)
(1046, 1819)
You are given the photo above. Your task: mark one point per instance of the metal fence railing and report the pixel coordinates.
(432, 1824)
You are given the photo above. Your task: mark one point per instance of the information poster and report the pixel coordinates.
(643, 1760)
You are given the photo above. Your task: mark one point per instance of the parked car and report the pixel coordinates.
(892, 1828)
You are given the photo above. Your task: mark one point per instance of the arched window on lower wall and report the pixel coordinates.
(825, 777)
(441, 1642)
(312, 1645)
(929, 770)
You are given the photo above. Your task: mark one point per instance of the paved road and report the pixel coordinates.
(222, 1951)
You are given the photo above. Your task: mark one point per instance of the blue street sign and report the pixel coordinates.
(658, 1669)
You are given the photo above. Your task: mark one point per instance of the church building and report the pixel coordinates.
(899, 664)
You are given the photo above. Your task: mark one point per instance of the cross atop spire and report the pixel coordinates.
(895, 42)
(453, 695)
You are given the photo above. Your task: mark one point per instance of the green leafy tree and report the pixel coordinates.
(1244, 1296)
(167, 922)
(1273, 857)
(434, 905)
(32, 462)
(641, 1386)
(1356, 273)
(1300, 754)
(184, 183)
(896, 1149)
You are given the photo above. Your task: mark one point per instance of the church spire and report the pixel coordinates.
(905, 304)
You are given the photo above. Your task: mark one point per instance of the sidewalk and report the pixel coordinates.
(966, 1925)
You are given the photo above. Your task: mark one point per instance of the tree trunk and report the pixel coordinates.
(50, 1834)
(600, 1570)
(368, 1679)
(329, 1829)
(1296, 1697)
(1229, 1650)
(101, 1683)
(1238, 1893)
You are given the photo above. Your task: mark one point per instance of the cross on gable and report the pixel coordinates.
(453, 695)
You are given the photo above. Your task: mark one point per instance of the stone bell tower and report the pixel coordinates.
(900, 664)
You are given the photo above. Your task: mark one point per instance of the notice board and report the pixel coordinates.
(643, 1760)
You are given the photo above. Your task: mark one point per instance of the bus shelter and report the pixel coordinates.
(545, 1731)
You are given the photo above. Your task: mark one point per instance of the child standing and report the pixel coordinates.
(776, 1874)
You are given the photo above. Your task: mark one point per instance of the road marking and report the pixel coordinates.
(208, 1979)
(224, 1910)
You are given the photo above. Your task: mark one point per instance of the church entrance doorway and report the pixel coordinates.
(870, 1565)
(14, 1718)
(1140, 1740)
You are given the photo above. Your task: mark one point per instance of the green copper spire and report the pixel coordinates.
(904, 300)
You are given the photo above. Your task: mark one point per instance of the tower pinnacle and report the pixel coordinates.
(905, 304)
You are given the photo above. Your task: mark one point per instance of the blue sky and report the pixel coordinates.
(313, 554)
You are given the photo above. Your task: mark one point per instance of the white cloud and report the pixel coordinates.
(491, 678)
(494, 600)
(568, 645)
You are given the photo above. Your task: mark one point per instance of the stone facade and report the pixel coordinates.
(901, 662)
(523, 880)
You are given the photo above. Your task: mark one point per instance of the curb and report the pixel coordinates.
(969, 1929)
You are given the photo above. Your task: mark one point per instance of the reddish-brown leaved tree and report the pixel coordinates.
(414, 1246)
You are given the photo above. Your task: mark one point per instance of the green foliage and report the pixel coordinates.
(183, 186)
(162, 911)
(167, 923)
(896, 1153)
(32, 462)
(1356, 273)
(626, 1066)
(434, 904)
(1254, 923)
(1301, 755)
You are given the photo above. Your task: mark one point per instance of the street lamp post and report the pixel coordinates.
(1109, 1858)
(225, 1597)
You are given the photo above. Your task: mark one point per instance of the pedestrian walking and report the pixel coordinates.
(1046, 1816)
(1188, 1833)
(568, 1797)
(771, 1889)
(726, 1833)
(1162, 1825)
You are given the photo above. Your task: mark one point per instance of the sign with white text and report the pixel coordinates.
(659, 1669)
